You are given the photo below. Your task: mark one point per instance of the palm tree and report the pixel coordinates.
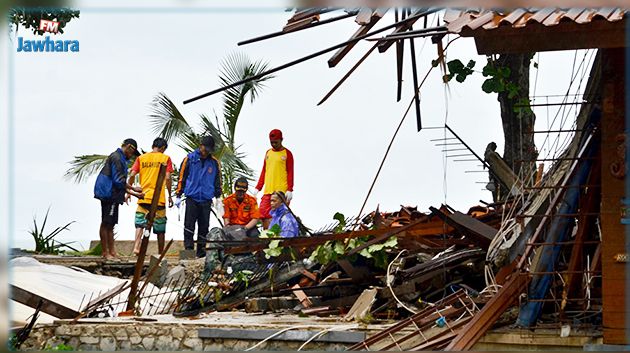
(168, 122)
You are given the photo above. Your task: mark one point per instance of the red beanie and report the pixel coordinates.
(275, 134)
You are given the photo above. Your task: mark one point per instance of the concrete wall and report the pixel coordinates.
(143, 336)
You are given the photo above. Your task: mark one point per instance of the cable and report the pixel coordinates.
(391, 142)
(277, 334)
(322, 332)
(389, 285)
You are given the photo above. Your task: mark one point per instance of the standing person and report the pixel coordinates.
(200, 181)
(241, 210)
(289, 227)
(110, 187)
(276, 174)
(148, 167)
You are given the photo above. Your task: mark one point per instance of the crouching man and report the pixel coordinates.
(241, 216)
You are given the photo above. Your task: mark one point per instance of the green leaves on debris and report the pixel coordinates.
(46, 243)
(331, 251)
(243, 276)
(457, 70)
(497, 80)
(273, 249)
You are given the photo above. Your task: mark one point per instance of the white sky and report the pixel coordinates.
(67, 104)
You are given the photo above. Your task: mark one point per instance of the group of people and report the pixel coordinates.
(199, 183)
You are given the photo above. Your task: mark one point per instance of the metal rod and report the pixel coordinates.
(553, 131)
(456, 149)
(311, 56)
(417, 31)
(464, 160)
(318, 23)
(416, 94)
(550, 104)
(448, 144)
(555, 159)
(407, 36)
(443, 139)
(561, 215)
(561, 187)
(400, 50)
(565, 242)
(458, 155)
(345, 77)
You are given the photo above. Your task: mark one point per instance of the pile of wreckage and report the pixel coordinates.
(445, 276)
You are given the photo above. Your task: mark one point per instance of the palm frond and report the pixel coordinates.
(165, 119)
(82, 167)
(236, 67)
(189, 141)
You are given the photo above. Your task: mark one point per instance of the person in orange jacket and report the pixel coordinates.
(276, 175)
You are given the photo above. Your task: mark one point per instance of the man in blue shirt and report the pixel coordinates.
(110, 187)
(200, 181)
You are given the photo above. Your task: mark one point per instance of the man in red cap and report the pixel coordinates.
(276, 174)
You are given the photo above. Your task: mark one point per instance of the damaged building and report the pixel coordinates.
(541, 267)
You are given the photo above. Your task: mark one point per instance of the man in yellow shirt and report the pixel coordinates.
(276, 174)
(148, 167)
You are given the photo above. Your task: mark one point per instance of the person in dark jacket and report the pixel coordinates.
(110, 187)
(200, 181)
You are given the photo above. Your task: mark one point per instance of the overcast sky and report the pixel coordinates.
(67, 104)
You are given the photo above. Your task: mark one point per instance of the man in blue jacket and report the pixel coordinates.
(110, 187)
(200, 181)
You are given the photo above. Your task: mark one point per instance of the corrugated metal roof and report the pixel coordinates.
(458, 20)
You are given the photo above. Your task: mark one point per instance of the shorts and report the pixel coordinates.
(109, 212)
(265, 206)
(159, 223)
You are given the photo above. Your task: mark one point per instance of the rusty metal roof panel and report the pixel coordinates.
(605, 12)
(513, 17)
(474, 19)
(523, 20)
(572, 14)
(554, 18)
(480, 21)
(541, 15)
(617, 15)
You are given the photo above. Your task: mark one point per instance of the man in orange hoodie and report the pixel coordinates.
(276, 174)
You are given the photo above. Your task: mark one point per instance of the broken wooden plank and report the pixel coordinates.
(376, 15)
(362, 306)
(49, 307)
(302, 297)
(485, 318)
(478, 230)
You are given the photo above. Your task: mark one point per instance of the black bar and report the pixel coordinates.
(311, 56)
(277, 34)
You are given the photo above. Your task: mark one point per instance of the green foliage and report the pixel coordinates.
(273, 249)
(30, 17)
(82, 167)
(457, 69)
(497, 78)
(243, 276)
(331, 250)
(45, 243)
(59, 347)
(342, 222)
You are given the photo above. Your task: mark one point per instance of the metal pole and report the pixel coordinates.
(311, 56)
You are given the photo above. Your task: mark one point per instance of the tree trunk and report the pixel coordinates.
(518, 123)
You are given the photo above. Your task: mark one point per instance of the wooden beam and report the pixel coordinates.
(536, 38)
(49, 307)
(485, 318)
(341, 53)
